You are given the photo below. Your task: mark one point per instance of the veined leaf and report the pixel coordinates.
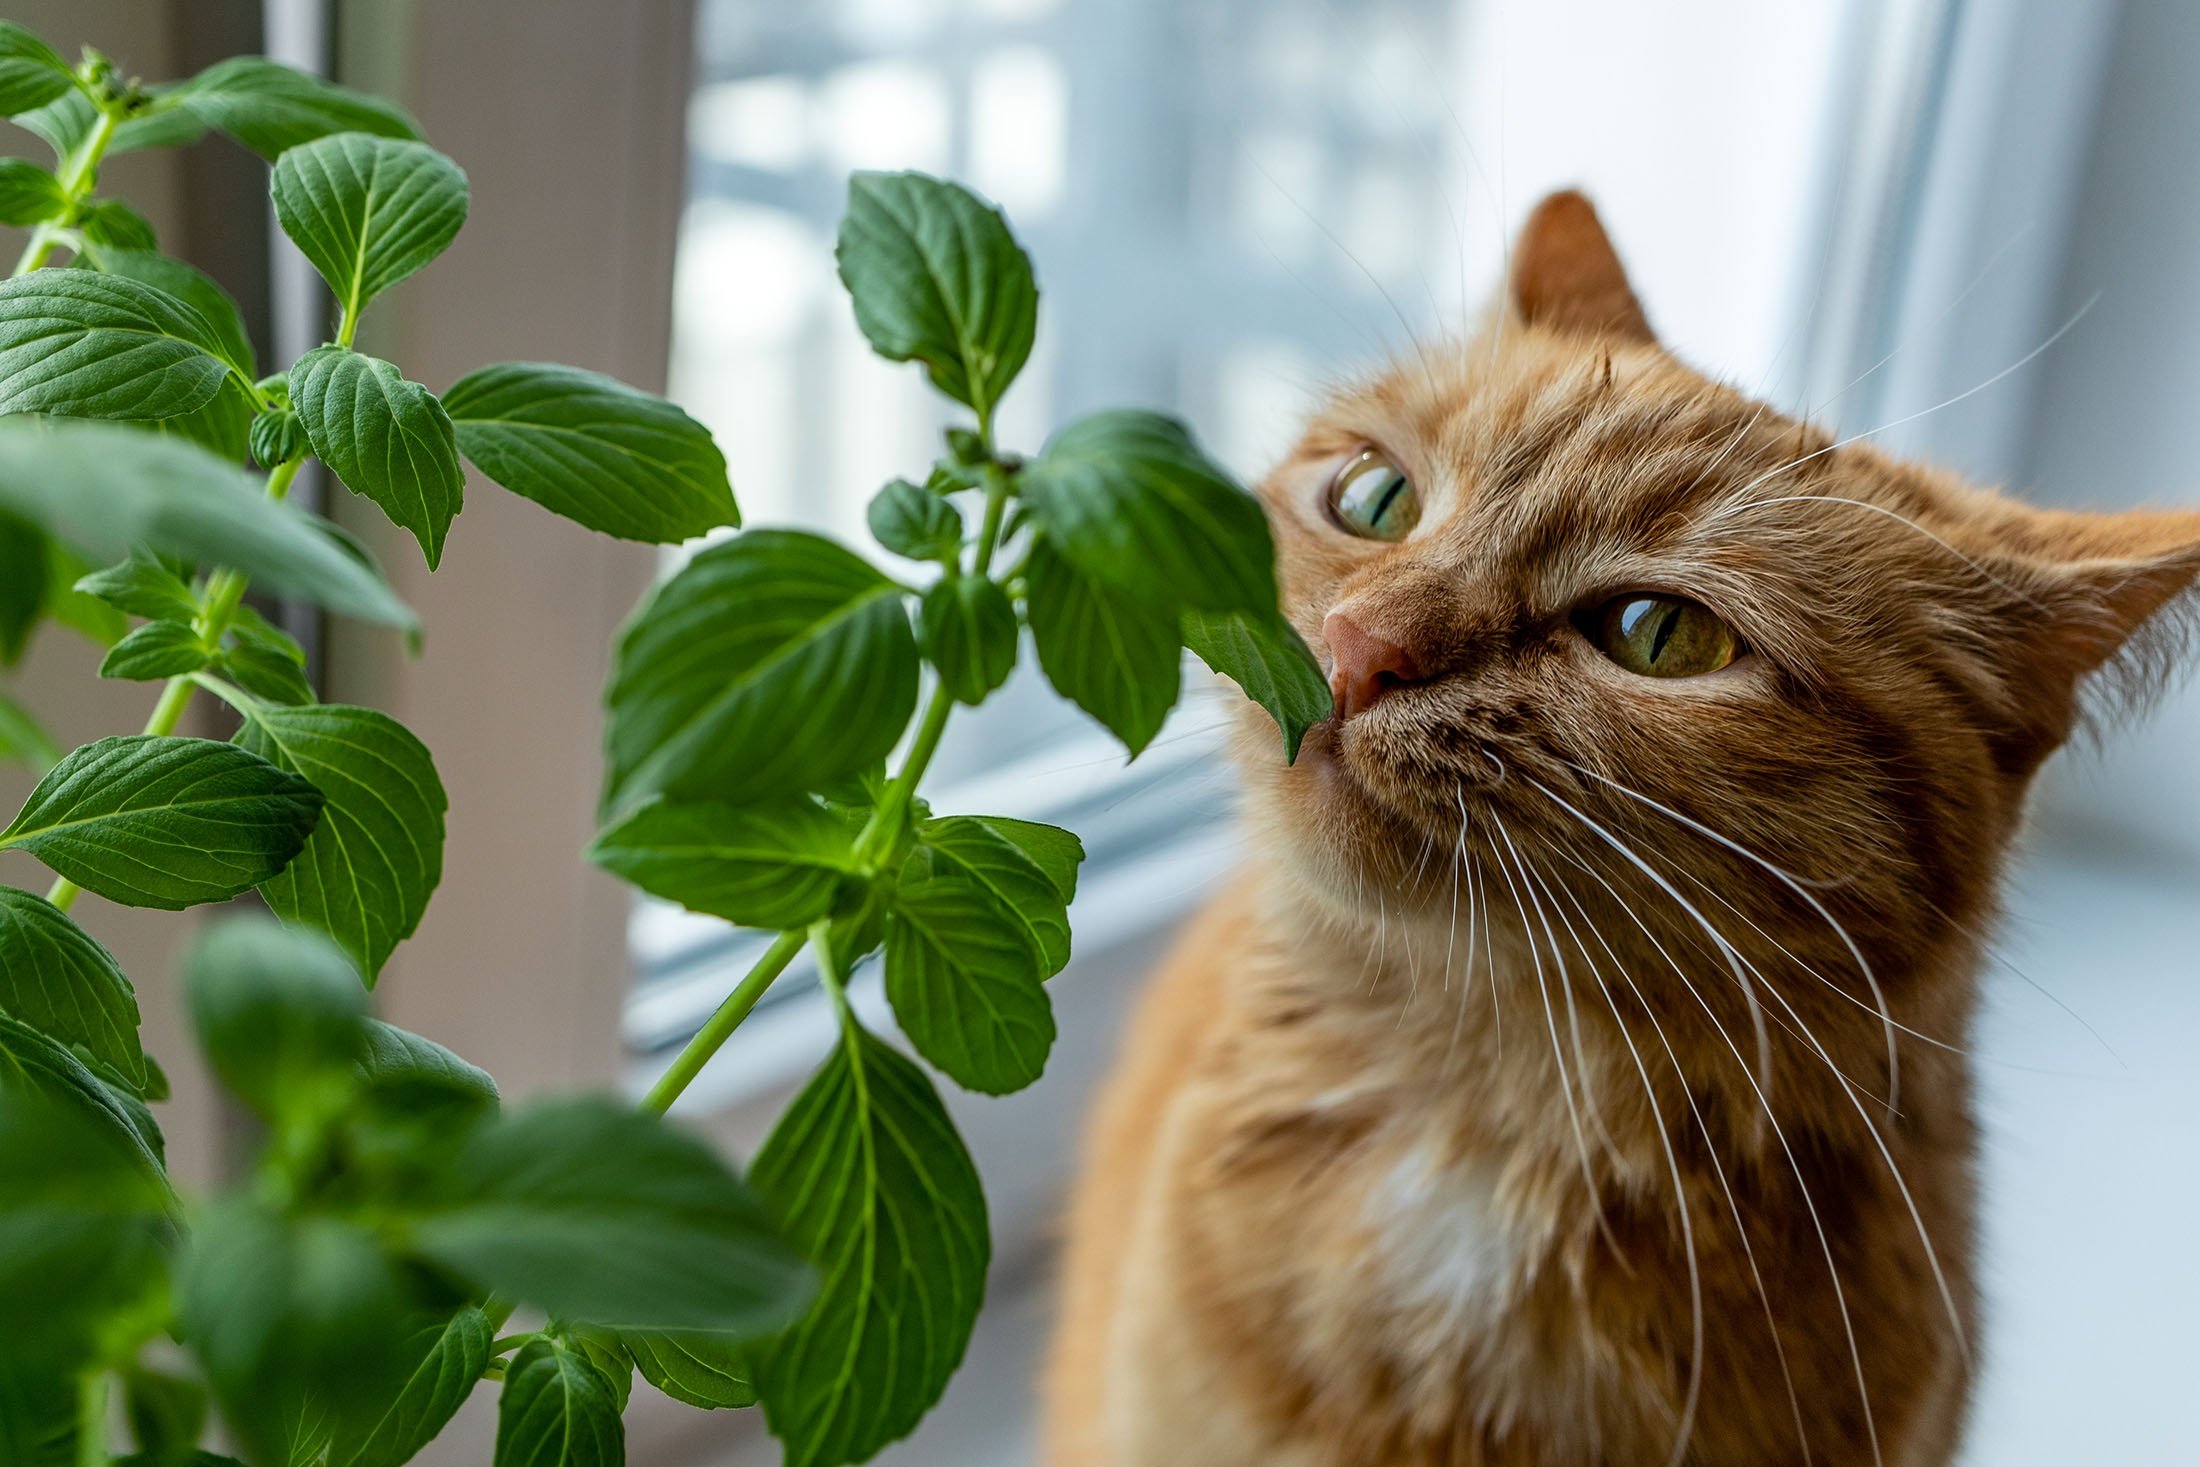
(368, 211)
(24, 740)
(557, 1410)
(602, 1215)
(776, 661)
(54, 977)
(1056, 852)
(385, 437)
(31, 73)
(271, 108)
(366, 874)
(1113, 655)
(965, 983)
(142, 586)
(867, 1177)
(696, 1369)
(107, 489)
(1129, 499)
(593, 449)
(451, 1358)
(112, 224)
(914, 522)
(1027, 898)
(158, 649)
(227, 339)
(399, 1058)
(28, 193)
(935, 276)
(153, 821)
(1269, 661)
(775, 866)
(67, 120)
(31, 1059)
(969, 634)
(81, 344)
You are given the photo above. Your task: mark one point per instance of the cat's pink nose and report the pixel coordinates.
(1363, 666)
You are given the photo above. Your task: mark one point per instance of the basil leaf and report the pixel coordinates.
(914, 522)
(154, 821)
(31, 74)
(385, 437)
(1025, 896)
(868, 1177)
(28, 193)
(557, 1410)
(266, 673)
(54, 977)
(159, 649)
(593, 449)
(80, 344)
(1130, 500)
(1270, 662)
(24, 739)
(365, 875)
(693, 1368)
(935, 276)
(602, 1215)
(368, 211)
(142, 586)
(67, 120)
(604, 1349)
(965, 984)
(969, 634)
(1112, 654)
(30, 1060)
(399, 1059)
(279, 1013)
(1056, 852)
(227, 337)
(272, 108)
(276, 438)
(113, 224)
(776, 866)
(25, 570)
(775, 661)
(107, 489)
(450, 1360)
(38, 1409)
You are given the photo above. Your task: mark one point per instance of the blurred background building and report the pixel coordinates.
(1968, 227)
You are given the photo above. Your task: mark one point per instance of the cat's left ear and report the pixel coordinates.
(2091, 598)
(1567, 277)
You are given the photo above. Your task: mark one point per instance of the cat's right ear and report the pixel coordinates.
(1567, 277)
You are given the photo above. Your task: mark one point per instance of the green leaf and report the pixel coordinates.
(54, 977)
(602, 1215)
(450, 1359)
(154, 821)
(1129, 499)
(81, 344)
(159, 649)
(385, 437)
(142, 586)
(24, 740)
(1113, 655)
(266, 674)
(167, 1412)
(1056, 852)
(114, 225)
(28, 193)
(279, 1013)
(93, 620)
(368, 211)
(1270, 662)
(557, 1410)
(694, 1368)
(68, 119)
(606, 1350)
(965, 983)
(776, 866)
(775, 661)
(367, 872)
(915, 522)
(593, 449)
(867, 1177)
(276, 438)
(25, 572)
(108, 489)
(289, 1313)
(228, 339)
(38, 1415)
(31, 74)
(1026, 895)
(936, 277)
(271, 108)
(29, 1059)
(399, 1058)
(969, 633)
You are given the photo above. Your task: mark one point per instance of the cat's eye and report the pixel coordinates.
(1662, 636)
(1372, 498)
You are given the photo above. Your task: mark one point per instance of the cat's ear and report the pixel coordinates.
(1567, 277)
(2099, 603)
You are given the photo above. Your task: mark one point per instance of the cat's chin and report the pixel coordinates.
(1347, 834)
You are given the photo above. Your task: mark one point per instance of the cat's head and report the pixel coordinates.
(1559, 580)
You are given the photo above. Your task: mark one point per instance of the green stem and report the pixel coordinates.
(690, 1061)
(91, 1419)
(77, 178)
(224, 593)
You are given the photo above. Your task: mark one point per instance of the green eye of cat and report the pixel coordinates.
(1372, 498)
(1662, 636)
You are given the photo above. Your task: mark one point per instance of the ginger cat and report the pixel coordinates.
(1574, 1078)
